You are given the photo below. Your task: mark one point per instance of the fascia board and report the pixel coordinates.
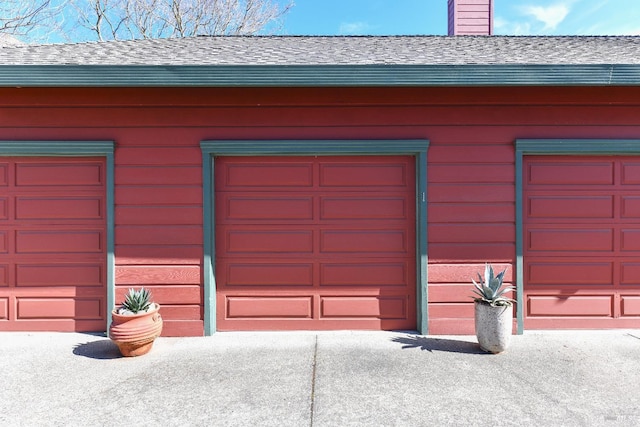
(316, 75)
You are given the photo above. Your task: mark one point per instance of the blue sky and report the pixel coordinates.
(511, 17)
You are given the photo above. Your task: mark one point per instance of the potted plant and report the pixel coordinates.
(493, 311)
(136, 323)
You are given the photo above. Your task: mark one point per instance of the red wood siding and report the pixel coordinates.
(158, 232)
(581, 242)
(315, 242)
(52, 244)
(158, 165)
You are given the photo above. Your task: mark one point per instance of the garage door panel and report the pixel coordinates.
(387, 307)
(570, 173)
(274, 207)
(558, 273)
(56, 242)
(59, 308)
(630, 240)
(271, 274)
(58, 173)
(570, 240)
(364, 274)
(353, 207)
(630, 173)
(570, 305)
(365, 174)
(66, 208)
(630, 305)
(4, 242)
(571, 207)
(629, 273)
(300, 307)
(4, 174)
(4, 308)
(266, 241)
(4, 208)
(630, 207)
(259, 174)
(59, 275)
(363, 241)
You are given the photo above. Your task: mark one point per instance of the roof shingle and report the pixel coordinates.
(335, 50)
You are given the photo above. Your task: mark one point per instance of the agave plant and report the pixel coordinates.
(136, 301)
(490, 289)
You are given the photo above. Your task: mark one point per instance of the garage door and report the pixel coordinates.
(315, 243)
(582, 242)
(52, 244)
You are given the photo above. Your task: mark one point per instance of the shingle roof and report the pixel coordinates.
(334, 50)
(328, 61)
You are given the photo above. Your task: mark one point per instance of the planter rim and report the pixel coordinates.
(114, 312)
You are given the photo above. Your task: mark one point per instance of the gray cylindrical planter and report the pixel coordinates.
(493, 326)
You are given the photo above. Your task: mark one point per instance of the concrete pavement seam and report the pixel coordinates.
(313, 382)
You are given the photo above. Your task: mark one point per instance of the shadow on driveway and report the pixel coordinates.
(102, 350)
(438, 344)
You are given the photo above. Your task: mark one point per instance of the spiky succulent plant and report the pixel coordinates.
(136, 301)
(490, 290)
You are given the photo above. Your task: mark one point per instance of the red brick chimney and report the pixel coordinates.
(470, 17)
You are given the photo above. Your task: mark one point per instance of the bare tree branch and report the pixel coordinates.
(138, 19)
(22, 17)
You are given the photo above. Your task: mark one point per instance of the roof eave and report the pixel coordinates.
(317, 75)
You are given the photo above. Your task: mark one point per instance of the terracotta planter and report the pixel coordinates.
(134, 335)
(493, 326)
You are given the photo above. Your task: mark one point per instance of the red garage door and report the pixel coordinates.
(315, 243)
(52, 244)
(582, 242)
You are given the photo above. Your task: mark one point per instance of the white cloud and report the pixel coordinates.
(499, 22)
(354, 28)
(550, 16)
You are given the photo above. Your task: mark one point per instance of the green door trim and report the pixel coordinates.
(575, 147)
(80, 149)
(211, 149)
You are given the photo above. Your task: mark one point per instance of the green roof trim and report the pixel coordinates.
(317, 75)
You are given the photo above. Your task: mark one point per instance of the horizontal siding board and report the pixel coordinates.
(157, 275)
(158, 156)
(470, 213)
(167, 294)
(471, 193)
(310, 96)
(471, 233)
(450, 292)
(158, 175)
(470, 153)
(182, 328)
(158, 195)
(159, 254)
(314, 116)
(173, 215)
(165, 235)
(472, 252)
(464, 273)
(477, 173)
(181, 312)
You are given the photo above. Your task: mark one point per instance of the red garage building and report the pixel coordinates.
(320, 182)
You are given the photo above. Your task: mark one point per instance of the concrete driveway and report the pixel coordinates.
(575, 378)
